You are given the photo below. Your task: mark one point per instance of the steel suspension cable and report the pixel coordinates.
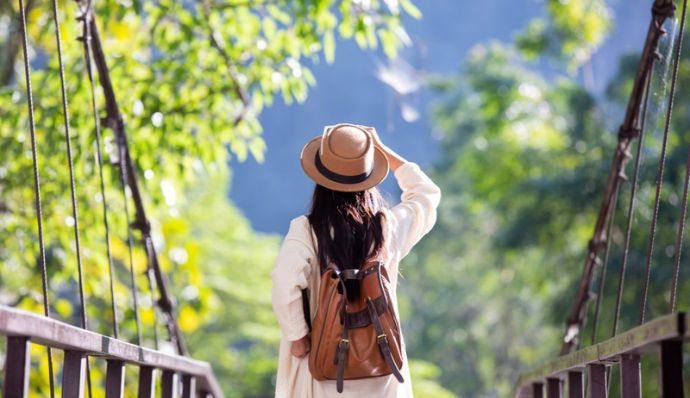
(661, 11)
(681, 226)
(130, 245)
(631, 205)
(86, 19)
(68, 142)
(114, 120)
(75, 214)
(37, 185)
(662, 161)
(679, 238)
(150, 279)
(86, 40)
(604, 266)
(680, 234)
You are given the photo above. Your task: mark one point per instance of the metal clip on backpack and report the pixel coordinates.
(355, 339)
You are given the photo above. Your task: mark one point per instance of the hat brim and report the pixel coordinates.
(307, 159)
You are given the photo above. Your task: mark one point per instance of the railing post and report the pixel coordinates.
(575, 385)
(168, 384)
(188, 386)
(537, 390)
(630, 376)
(147, 387)
(115, 379)
(553, 388)
(597, 381)
(17, 367)
(73, 372)
(672, 369)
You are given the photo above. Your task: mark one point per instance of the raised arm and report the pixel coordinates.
(415, 215)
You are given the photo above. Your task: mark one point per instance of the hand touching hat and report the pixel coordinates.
(345, 158)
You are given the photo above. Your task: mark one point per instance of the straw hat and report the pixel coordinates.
(344, 158)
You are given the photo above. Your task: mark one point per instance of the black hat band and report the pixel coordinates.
(336, 177)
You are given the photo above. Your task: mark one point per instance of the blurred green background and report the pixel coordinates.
(519, 137)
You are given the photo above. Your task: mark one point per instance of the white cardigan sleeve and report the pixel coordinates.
(415, 215)
(290, 275)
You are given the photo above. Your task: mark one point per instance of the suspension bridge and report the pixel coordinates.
(582, 368)
(179, 374)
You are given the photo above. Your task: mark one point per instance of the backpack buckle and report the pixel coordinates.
(344, 343)
(383, 337)
(350, 274)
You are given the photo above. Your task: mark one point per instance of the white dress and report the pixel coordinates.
(296, 268)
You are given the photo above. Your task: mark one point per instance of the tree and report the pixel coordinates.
(521, 169)
(192, 79)
(523, 161)
(478, 297)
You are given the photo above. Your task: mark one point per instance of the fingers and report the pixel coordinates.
(373, 133)
(367, 128)
(300, 352)
(301, 347)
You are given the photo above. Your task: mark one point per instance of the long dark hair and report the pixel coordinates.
(356, 222)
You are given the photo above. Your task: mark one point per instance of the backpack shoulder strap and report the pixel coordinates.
(306, 308)
(382, 341)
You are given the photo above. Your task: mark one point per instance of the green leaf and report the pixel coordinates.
(411, 9)
(329, 46)
(257, 147)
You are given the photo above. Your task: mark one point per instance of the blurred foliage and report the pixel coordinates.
(523, 162)
(571, 32)
(425, 383)
(192, 78)
(240, 336)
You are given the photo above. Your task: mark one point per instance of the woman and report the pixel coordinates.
(347, 225)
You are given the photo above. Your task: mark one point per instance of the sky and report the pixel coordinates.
(273, 193)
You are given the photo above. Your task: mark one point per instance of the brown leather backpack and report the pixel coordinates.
(355, 339)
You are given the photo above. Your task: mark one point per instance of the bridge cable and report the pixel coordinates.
(631, 205)
(130, 244)
(37, 186)
(662, 161)
(115, 121)
(604, 266)
(68, 139)
(75, 215)
(679, 238)
(86, 40)
(150, 279)
(86, 18)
